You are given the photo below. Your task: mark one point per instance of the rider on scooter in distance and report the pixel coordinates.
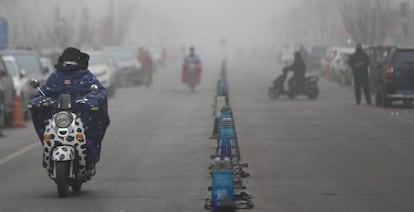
(191, 59)
(73, 77)
(297, 81)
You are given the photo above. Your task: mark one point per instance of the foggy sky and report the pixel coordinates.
(190, 22)
(239, 21)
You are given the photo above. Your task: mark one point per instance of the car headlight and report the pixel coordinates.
(63, 119)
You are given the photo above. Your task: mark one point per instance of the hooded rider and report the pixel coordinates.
(73, 77)
(193, 59)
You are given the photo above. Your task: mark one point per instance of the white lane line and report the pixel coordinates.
(18, 153)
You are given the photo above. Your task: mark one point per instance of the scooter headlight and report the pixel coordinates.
(63, 119)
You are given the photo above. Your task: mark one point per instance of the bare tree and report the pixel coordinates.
(61, 32)
(367, 21)
(85, 32)
(116, 25)
(314, 21)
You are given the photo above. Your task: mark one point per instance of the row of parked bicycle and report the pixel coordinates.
(391, 72)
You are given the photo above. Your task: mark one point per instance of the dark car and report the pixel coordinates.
(129, 69)
(396, 77)
(7, 93)
(377, 55)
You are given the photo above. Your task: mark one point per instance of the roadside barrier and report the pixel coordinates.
(222, 191)
(228, 148)
(227, 112)
(228, 191)
(220, 102)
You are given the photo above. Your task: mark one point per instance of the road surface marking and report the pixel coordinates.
(17, 153)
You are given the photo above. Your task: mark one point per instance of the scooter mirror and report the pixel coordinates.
(94, 89)
(35, 83)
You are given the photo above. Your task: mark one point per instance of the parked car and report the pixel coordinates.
(28, 62)
(7, 93)
(377, 55)
(326, 61)
(158, 57)
(340, 70)
(104, 69)
(396, 81)
(315, 57)
(21, 83)
(129, 69)
(47, 65)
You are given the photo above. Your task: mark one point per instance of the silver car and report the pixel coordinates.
(7, 94)
(104, 69)
(20, 81)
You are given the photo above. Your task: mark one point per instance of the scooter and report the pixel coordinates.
(192, 76)
(64, 144)
(310, 88)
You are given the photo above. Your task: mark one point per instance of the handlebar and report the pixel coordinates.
(49, 102)
(81, 101)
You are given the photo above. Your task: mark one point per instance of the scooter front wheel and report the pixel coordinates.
(192, 88)
(62, 178)
(313, 93)
(274, 93)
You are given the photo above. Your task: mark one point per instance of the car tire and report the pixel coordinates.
(312, 93)
(2, 114)
(8, 119)
(386, 101)
(378, 99)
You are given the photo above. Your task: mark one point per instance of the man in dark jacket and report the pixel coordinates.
(297, 82)
(73, 77)
(359, 63)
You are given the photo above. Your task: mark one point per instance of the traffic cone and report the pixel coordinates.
(18, 119)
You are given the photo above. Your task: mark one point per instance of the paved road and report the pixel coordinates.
(324, 155)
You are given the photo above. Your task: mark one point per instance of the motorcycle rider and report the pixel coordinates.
(192, 58)
(73, 77)
(359, 63)
(297, 81)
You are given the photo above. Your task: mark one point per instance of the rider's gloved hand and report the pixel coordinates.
(93, 103)
(48, 102)
(40, 102)
(89, 101)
